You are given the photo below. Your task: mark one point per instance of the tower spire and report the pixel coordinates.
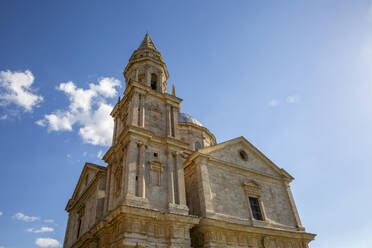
(141, 62)
(147, 43)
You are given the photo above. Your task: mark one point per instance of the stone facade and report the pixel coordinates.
(169, 184)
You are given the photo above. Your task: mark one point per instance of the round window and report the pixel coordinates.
(243, 155)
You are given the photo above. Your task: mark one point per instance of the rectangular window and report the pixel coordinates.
(255, 207)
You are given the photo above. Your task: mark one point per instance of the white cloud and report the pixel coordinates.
(273, 103)
(41, 230)
(16, 88)
(2, 246)
(293, 98)
(47, 242)
(59, 121)
(106, 87)
(4, 117)
(68, 155)
(1, 213)
(85, 154)
(49, 221)
(99, 127)
(88, 109)
(99, 154)
(21, 216)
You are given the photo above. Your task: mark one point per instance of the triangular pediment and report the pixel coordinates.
(241, 152)
(86, 177)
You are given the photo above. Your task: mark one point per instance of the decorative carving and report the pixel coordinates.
(154, 107)
(156, 169)
(251, 188)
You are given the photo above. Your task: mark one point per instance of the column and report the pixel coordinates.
(160, 82)
(134, 109)
(142, 110)
(148, 78)
(180, 180)
(136, 76)
(107, 199)
(168, 121)
(170, 178)
(175, 178)
(124, 173)
(111, 191)
(131, 168)
(141, 184)
(139, 119)
(175, 121)
(172, 131)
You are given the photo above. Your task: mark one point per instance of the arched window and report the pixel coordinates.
(197, 145)
(154, 81)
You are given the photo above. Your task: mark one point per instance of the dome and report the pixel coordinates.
(182, 117)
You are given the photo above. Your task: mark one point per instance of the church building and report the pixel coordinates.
(168, 183)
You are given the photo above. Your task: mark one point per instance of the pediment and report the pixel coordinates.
(86, 177)
(241, 152)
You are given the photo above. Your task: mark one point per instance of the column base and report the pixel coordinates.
(136, 201)
(178, 209)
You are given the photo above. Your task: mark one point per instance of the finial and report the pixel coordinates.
(173, 90)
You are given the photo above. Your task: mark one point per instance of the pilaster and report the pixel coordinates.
(131, 168)
(204, 191)
(141, 183)
(294, 208)
(170, 180)
(181, 180)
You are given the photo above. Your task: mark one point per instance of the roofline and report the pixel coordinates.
(206, 150)
(201, 127)
(86, 165)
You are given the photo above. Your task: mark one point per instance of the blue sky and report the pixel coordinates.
(293, 77)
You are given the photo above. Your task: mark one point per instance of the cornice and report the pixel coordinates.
(133, 61)
(135, 133)
(213, 223)
(253, 149)
(87, 191)
(207, 157)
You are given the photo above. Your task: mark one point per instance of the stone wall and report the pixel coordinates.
(230, 200)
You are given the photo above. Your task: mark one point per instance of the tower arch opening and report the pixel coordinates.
(154, 81)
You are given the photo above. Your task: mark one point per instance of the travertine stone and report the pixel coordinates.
(169, 184)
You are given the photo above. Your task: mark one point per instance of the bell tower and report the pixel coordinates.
(146, 66)
(145, 161)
